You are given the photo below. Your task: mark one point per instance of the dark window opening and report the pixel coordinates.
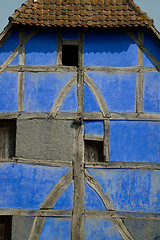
(5, 227)
(94, 151)
(7, 138)
(70, 55)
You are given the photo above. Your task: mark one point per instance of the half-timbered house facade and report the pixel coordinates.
(80, 122)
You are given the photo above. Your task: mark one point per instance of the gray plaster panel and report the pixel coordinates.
(45, 139)
(21, 227)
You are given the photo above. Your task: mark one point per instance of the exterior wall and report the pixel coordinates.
(112, 97)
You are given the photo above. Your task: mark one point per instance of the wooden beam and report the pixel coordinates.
(62, 95)
(96, 92)
(70, 42)
(124, 165)
(35, 213)
(121, 69)
(59, 48)
(93, 137)
(141, 46)
(40, 68)
(106, 140)
(21, 75)
(16, 51)
(78, 176)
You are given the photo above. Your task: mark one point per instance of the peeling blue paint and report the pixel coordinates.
(136, 141)
(117, 89)
(101, 49)
(130, 190)
(90, 102)
(69, 103)
(27, 186)
(92, 200)
(93, 127)
(151, 92)
(8, 92)
(65, 201)
(41, 90)
(100, 229)
(56, 229)
(41, 54)
(8, 47)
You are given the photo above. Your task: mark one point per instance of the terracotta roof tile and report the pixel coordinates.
(81, 13)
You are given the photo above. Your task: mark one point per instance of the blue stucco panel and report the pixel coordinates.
(8, 92)
(41, 49)
(102, 49)
(27, 186)
(137, 141)
(56, 229)
(130, 190)
(8, 47)
(94, 127)
(69, 103)
(100, 229)
(92, 200)
(151, 92)
(117, 89)
(153, 47)
(90, 103)
(41, 90)
(65, 201)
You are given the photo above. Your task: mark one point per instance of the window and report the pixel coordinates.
(93, 151)
(5, 227)
(7, 138)
(70, 55)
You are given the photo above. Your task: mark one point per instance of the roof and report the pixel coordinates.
(81, 13)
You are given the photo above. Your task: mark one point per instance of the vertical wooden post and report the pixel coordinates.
(106, 140)
(139, 84)
(59, 48)
(78, 152)
(21, 75)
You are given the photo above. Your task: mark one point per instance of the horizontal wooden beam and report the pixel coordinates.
(124, 165)
(36, 213)
(60, 68)
(122, 69)
(70, 42)
(93, 137)
(85, 116)
(120, 214)
(40, 68)
(50, 163)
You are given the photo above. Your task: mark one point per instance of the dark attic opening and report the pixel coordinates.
(7, 139)
(93, 151)
(5, 227)
(70, 55)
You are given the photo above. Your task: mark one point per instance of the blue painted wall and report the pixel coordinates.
(56, 229)
(27, 186)
(90, 102)
(130, 190)
(118, 90)
(8, 92)
(41, 49)
(41, 90)
(151, 92)
(134, 141)
(8, 47)
(100, 229)
(69, 103)
(102, 49)
(93, 127)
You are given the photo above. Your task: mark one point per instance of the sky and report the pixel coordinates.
(152, 7)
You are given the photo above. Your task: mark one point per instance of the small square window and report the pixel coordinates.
(93, 151)
(5, 227)
(70, 55)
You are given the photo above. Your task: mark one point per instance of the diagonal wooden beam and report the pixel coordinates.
(16, 51)
(97, 94)
(141, 46)
(49, 202)
(108, 204)
(62, 95)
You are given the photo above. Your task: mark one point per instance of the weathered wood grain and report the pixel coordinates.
(121, 69)
(106, 140)
(61, 96)
(96, 92)
(78, 176)
(40, 68)
(59, 48)
(93, 137)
